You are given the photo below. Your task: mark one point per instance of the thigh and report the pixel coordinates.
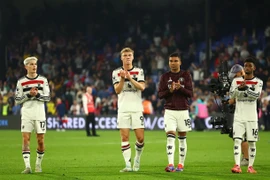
(40, 127)
(183, 121)
(27, 125)
(137, 120)
(123, 120)
(252, 131)
(170, 121)
(239, 129)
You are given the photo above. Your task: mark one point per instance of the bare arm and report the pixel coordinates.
(138, 85)
(118, 87)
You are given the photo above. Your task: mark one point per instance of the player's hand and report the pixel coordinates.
(128, 75)
(33, 91)
(177, 85)
(123, 74)
(172, 88)
(242, 86)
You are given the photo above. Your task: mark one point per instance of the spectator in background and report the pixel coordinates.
(88, 102)
(201, 112)
(60, 112)
(147, 107)
(75, 108)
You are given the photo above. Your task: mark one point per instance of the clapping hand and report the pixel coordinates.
(123, 74)
(177, 85)
(33, 91)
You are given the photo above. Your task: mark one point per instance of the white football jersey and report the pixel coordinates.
(246, 101)
(130, 98)
(33, 108)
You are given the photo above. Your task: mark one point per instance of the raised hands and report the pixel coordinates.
(125, 74)
(33, 91)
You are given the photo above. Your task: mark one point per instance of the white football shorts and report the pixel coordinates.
(177, 120)
(37, 126)
(133, 120)
(249, 128)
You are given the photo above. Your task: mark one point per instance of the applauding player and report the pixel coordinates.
(245, 90)
(32, 91)
(129, 83)
(176, 88)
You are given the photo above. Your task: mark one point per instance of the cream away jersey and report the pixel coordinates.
(130, 98)
(246, 101)
(33, 108)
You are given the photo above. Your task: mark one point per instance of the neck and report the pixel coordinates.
(175, 71)
(249, 76)
(127, 66)
(31, 75)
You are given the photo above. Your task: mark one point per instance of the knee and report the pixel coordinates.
(237, 141)
(40, 140)
(124, 138)
(251, 144)
(26, 139)
(140, 139)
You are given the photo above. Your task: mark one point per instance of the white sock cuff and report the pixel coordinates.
(124, 143)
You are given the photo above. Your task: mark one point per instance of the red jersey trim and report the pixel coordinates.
(32, 82)
(131, 73)
(247, 82)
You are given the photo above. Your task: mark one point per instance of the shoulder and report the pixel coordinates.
(136, 68)
(258, 79)
(21, 79)
(185, 73)
(117, 69)
(42, 77)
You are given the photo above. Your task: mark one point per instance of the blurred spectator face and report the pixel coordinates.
(58, 101)
(89, 90)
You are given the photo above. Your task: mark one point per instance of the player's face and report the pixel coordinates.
(174, 63)
(127, 57)
(31, 67)
(249, 68)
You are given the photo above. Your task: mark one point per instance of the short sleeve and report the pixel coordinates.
(141, 76)
(115, 77)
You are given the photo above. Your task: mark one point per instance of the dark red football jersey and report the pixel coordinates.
(177, 100)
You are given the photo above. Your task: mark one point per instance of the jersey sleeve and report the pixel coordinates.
(45, 94)
(188, 89)
(163, 90)
(115, 77)
(20, 97)
(255, 92)
(141, 76)
(234, 92)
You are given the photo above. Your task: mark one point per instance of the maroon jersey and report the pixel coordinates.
(177, 100)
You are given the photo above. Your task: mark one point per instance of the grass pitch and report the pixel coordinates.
(71, 155)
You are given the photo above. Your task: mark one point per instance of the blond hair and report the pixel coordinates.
(27, 60)
(127, 49)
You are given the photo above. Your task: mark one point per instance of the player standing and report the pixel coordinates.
(31, 92)
(129, 83)
(245, 91)
(176, 88)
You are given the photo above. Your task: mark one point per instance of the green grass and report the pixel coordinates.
(71, 155)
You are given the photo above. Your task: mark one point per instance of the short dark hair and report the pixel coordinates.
(175, 54)
(251, 59)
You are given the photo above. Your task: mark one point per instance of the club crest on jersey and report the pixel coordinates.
(181, 79)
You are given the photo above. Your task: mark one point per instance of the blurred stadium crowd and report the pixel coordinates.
(82, 48)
